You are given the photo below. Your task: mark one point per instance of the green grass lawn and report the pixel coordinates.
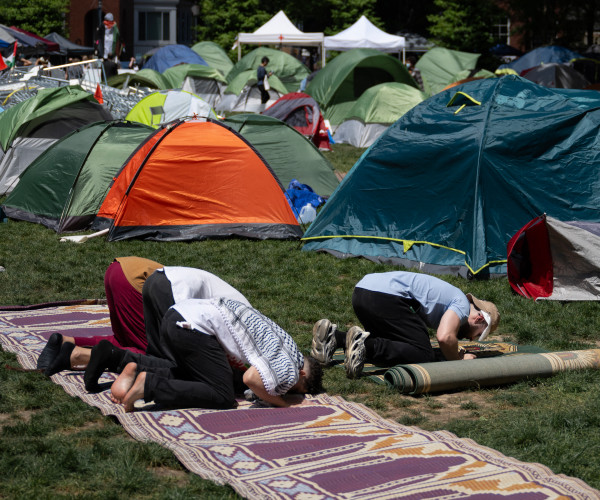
(52, 445)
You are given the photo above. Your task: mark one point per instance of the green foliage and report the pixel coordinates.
(40, 17)
(345, 13)
(463, 24)
(221, 21)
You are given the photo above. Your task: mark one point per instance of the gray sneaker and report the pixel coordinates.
(355, 351)
(323, 343)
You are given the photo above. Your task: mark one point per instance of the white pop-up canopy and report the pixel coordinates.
(363, 34)
(279, 30)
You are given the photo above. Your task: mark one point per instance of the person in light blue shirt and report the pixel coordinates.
(397, 309)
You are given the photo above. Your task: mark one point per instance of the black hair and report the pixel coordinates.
(265, 59)
(314, 381)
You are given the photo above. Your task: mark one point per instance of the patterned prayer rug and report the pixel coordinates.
(326, 450)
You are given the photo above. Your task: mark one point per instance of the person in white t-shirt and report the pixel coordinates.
(163, 288)
(209, 339)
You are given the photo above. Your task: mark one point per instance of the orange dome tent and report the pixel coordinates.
(194, 180)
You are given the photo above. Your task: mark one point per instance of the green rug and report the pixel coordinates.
(497, 363)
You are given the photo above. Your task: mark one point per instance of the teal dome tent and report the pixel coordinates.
(448, 184)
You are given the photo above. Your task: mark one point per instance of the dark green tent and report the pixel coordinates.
(33, 125)
(64, 187)
(338, 85)
(446, 186)
(288, 153)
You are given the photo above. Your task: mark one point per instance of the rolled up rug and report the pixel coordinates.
(450, 375)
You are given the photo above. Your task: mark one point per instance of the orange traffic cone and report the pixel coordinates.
(98, 94)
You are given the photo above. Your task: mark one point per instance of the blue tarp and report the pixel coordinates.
(172, 55)
(299, 195)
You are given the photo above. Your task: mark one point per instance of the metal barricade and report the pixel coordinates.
(21, 83)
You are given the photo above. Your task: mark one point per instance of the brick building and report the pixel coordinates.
(143, 24)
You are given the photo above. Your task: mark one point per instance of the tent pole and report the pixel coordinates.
(323, 55)
(239, 50)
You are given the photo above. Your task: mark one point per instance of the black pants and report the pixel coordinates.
(264, 94)
(157, 296)
(398, 334)
(199, 376)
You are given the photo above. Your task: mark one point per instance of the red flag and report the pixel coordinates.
(2, 63)
(98, 94)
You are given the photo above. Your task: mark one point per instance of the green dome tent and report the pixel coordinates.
(439, 67)
(143, 78)
(288, 153)
(242, 94)
(28, 128)
(207, 83)
(375, 111)
(167, 105)
(287, 68)
(214, 55)
(448, 184)
(64, 187)
(338, 85)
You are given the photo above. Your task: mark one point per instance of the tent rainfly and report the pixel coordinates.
(166, 106)
(31, 126)
(363, 34)
(279, 30)
(555, 260)
(65, 186)
(287, 152)
(214, 56)
(447, 185)
(194, 180)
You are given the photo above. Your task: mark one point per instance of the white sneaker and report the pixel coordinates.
(355, 351)
(323, 343)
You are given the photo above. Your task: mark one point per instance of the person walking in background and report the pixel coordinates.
(262, 82)
(111, 68)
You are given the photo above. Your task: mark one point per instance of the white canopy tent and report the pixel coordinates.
(363, 34)
(279, 30)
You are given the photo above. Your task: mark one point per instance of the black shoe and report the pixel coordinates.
(50, 351)
(99, 361)
(62, 361)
